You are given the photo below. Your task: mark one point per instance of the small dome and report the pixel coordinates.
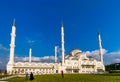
(75, 52)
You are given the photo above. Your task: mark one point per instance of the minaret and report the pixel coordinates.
(100, 48)
(62, 42)
(30, 55)
(55, 54)
(12, 47)
(12, 44)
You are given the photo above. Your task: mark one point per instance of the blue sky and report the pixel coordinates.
(38, 22)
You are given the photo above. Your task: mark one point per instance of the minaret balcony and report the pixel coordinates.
(12, 45)
(62, 34)
(13, 35)
(62, 42)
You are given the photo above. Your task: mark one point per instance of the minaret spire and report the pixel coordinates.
(62, 24)
(12, 44)
(30, 54)
(14, 22)
(62, 43)
(56, 54)
(100, 48)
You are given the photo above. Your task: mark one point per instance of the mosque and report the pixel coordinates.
(75, 62)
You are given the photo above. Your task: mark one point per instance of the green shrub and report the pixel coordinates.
(114, 71)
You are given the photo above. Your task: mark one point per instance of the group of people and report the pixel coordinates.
(31, 76)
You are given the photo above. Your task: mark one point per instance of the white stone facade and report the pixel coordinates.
(75, 62)
(78, 62)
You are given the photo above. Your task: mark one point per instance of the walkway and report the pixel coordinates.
(8, 77)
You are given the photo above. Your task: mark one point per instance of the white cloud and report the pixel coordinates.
(114, 54)
(35, 58)
(28, 40)
(95, 53)
(112, 57)
(4, 56)
(40, 59)
(0, 62)
(47, 58)
(117, 60)
(3, 48)
(31, 41)
(20, 58)
(109, 57)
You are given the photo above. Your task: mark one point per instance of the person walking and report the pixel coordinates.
(62, 74)
(31, 76)
(26, 74)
